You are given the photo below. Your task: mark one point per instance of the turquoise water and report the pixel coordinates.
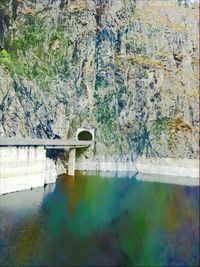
(99, 221)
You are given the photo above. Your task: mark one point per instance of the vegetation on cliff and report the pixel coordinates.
(129, 69)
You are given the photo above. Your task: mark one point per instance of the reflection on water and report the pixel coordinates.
(98, 221)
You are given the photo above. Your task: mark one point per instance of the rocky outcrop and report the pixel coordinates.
(127, 68)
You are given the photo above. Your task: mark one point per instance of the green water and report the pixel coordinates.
(99, 221)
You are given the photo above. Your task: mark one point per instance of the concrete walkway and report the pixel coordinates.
(47, 143)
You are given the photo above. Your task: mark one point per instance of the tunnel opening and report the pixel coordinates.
(85, 136)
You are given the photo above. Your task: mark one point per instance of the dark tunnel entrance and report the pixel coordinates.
(85, 136)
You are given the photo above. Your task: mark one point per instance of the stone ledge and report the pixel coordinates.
(170, 167)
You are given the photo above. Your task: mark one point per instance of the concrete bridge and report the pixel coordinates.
(47, 143)
(24, 164)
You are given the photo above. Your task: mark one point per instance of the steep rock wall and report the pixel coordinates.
(127, 68)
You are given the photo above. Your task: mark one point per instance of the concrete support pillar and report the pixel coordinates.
(71, 163)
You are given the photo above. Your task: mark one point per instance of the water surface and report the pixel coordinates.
(99, 221)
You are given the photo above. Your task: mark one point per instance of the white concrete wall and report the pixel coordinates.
(105, 166)
(168, 166)
(27, 167)
(24, 168)
(187, 168)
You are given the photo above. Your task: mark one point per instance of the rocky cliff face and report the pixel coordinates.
(127, 68)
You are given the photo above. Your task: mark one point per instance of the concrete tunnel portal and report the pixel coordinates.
(85, 136)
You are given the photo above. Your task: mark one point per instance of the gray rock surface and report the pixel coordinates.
(127, 68)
